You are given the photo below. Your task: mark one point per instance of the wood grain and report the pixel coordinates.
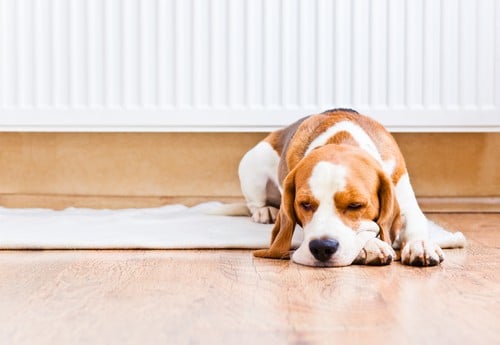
(226, 297)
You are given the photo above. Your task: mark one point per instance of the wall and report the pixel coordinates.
(149, 169)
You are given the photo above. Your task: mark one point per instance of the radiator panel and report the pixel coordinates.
(244, 65)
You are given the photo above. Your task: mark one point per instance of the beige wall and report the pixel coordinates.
(453, 164)
(158, 165)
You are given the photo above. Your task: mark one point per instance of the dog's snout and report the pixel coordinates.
(323, 249)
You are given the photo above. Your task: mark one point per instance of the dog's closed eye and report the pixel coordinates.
(307, 206)
(354, 206)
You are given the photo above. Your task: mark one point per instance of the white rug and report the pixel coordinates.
(168, 227)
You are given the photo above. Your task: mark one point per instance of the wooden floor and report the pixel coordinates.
(228, 297)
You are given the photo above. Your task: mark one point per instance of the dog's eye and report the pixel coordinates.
(307, 206)
(354, 206)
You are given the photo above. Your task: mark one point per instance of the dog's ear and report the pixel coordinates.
(281, 238)
(389, 218)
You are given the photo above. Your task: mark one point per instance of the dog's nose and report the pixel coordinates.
(323, 249)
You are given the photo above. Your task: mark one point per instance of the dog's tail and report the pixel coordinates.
(231, 209)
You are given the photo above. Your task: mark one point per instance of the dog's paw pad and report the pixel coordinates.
(421, 253)
(375, 253)
(265, 215)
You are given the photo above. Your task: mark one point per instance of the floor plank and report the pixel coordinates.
(227, 296)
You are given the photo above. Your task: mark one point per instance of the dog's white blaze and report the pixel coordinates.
(326, 180)
(359, 135)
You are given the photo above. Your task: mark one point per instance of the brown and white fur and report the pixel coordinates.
(342, 178)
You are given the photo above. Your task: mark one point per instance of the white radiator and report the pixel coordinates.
(247, 65)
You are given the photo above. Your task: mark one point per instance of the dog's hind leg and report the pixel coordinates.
(258, 172)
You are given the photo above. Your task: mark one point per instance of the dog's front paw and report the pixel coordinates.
(375, 252)
(265, 215)
(421, 253)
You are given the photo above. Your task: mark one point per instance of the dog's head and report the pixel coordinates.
(341, 197)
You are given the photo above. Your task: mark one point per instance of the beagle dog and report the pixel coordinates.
(341, 177)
